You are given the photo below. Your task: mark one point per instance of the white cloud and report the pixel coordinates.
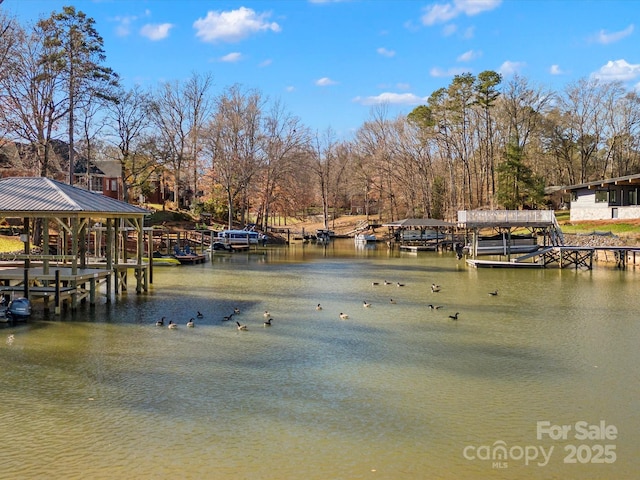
(450, 72)
(325, 82)
(443, 12)
(606, 38)
(555, 70)
(125, 23)
(509, 68)
(232, 25)
(468, 56)
(290, 88)
(265, 63)
(391, 99)
(232, 57)
(618, 70)
(403, 86)
(386, 53)
(156, 32)
(449, 29)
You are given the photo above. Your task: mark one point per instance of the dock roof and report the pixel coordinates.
(44, 197)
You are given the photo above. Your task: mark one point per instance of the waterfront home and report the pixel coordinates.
(614, 198)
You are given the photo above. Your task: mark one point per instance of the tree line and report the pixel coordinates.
(482, 141)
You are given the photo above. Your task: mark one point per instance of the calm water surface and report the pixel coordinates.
(397, 391)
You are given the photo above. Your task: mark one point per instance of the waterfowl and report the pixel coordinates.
(343, 316)
(375, 283)
(160, 322)
(400, 284)
(454, 317)
(387, 283)
(435, 288)
(236, 310)
(267, 323)
(172, 325)
(266, 314)
(494, 293)
(434, 307)
(240, 326)
(190, 323)
(365, 304)
(391, 300)
(227, 318)
(199, 315)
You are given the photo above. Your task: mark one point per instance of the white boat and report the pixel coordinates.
(237, 237)
(365, 238)
(419, 235)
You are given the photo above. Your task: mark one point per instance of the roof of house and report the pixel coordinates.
(41, 196)
(626, 180)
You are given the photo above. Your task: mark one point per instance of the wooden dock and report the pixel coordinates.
(63, 285)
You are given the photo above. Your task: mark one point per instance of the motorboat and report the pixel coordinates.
(365, 238)
(237, 237)
(19, 308)
(324, 235)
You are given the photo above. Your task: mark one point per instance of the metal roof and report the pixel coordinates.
(419, 222)
(41, 196)
(626, 180)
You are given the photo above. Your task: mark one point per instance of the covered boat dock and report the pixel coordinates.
(417, 234)
(62, 270)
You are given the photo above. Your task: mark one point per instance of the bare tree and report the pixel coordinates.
(128, 123)
(234, 142)
(31, 105)
(285, 138)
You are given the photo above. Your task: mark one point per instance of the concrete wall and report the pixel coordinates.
(586, 208)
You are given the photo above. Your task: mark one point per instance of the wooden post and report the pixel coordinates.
(109, 252)
(56, 301)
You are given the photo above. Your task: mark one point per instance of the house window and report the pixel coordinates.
(96, 184)
(574, 196)
(613, 196)
(602, 196)
(114, 185)
(632, 197)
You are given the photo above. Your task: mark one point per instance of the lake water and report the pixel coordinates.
(538, 382)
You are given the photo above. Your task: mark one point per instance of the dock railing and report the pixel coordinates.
(505, 217)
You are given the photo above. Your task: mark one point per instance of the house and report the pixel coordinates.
(104, 177)
(614, 198)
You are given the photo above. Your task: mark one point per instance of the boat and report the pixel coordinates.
(365, 238)
(502, 244)
(420, 235)
(236, 237)
(324, 235)
(186, 256)
(160, 259)
(19, 309)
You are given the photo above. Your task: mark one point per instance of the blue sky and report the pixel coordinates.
(330, 62)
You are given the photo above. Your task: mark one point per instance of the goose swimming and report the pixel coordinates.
(241, 327)
(454, 317)
(343, 316)
(190, 323)
(172, 325)
(160, 322)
